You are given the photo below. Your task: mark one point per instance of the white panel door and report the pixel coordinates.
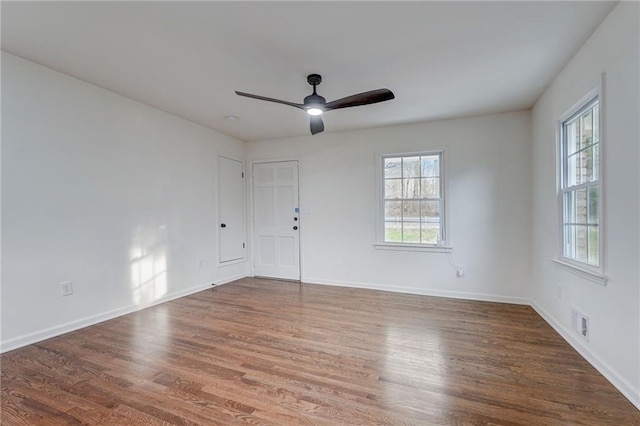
(276, 220)
(231, 210)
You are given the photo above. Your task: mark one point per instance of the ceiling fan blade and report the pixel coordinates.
(317, 125)
(263, 98)
(365, 98)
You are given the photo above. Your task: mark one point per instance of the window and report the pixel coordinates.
(413, 199)
(580, 185)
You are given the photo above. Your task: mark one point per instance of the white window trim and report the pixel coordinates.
(413, 247)
(584, 270)
(380, 244)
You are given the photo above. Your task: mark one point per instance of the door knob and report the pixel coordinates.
(295, 228)
(223, 225)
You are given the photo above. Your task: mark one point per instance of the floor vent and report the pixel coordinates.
(581, 324)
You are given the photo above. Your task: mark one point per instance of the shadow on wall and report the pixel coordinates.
(148, 265)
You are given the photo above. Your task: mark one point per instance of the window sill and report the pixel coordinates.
(584, 273)
(413, 247)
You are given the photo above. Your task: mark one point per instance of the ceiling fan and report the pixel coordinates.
(315, 104)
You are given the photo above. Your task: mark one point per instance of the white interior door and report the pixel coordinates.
(231, 210)
(276, 220)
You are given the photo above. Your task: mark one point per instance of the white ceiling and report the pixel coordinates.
(441, 59)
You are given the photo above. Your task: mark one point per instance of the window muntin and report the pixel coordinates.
(581, 185)
(413, 201)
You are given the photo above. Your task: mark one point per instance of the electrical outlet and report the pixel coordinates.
(559, 291)
(67, 288)
(200, 263)
(459, 271)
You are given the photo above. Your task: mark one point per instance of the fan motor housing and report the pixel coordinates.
(314, 100)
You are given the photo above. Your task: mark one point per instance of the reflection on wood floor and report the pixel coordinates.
(272, 352)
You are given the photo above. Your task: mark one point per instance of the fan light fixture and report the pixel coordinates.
(314, 111)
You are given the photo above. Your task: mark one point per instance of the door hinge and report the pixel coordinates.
(243, 175)
(242, 245)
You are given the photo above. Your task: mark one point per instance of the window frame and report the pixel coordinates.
(380, 243)
(582, 268)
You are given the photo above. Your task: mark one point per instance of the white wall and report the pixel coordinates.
(108, 193)
(613, 309)
(120, 198)
(488, 179)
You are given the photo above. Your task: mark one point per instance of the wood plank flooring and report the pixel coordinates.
(272, 352)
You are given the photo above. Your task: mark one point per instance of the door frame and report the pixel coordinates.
(244, 210)
(250, 218)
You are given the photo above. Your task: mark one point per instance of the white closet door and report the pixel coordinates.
(231, 210)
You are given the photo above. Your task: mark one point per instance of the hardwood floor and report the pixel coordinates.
(273, 352)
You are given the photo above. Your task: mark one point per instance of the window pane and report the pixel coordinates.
(569, 207)
(393, 232)
(587, 165)
(430, 211)
(411, 188)
(392, 188)
(596, 123)
(408, 182)
(411, 211)
(594, 245)
(586, 127)
(571, 133)
(430, 188)
(410, 167)
(581, 243)
(569, 241)
(410, 232)
(430, 166)
(581, 206)
(392, 167)
(581, 162)
(575, 206)
(392, 210)
(580, 167)
(572, 170)
(582, 156)
(430, 232)
(596, 161)
(592, 205)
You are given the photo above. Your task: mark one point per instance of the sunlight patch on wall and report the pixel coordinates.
(148, 265)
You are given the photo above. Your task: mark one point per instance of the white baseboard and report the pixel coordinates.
(423, 292)
(632, 394)
(231, 279)
(38, 336)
